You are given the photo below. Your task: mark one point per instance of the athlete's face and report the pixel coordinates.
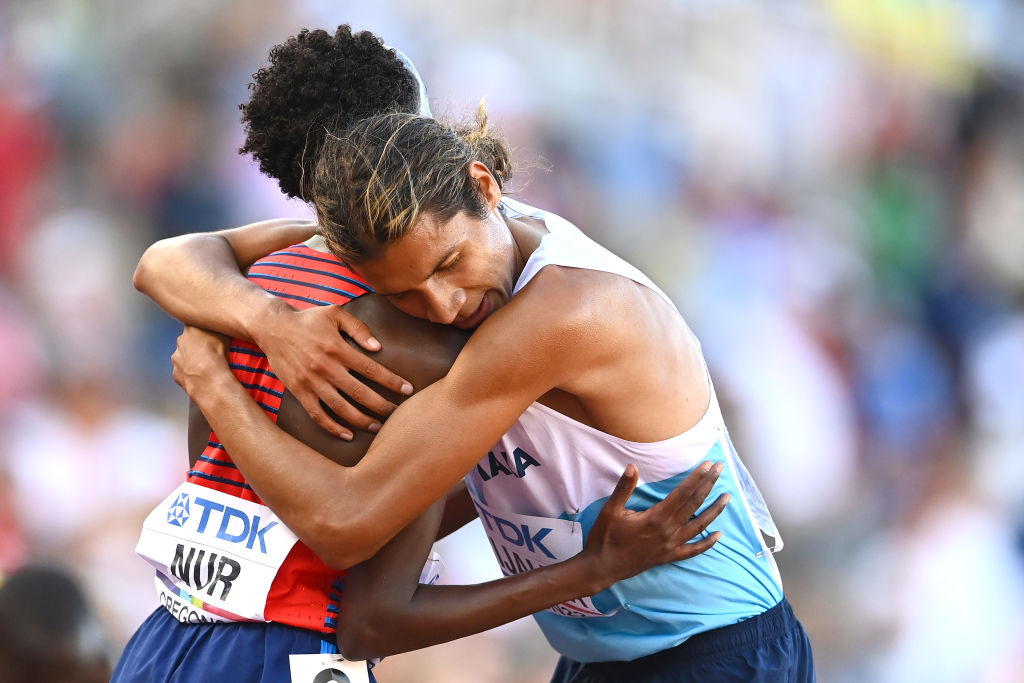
(456, 273)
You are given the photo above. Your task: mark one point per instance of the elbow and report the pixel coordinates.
(143, 272)
(366, 632)
(359, 640)
(341, 541)
(152, 263)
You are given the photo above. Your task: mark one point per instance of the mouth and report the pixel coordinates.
(477, 317)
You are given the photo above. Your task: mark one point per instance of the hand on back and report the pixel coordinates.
(312, 357)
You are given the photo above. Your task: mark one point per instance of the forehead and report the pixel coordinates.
(414, 256)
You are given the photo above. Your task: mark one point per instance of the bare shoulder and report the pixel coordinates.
(418, 350)
(611, 332)
(561, 322)
(587, 307)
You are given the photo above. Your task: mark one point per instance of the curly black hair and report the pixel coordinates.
(315, 82)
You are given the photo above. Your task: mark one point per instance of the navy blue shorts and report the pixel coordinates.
(769, 648)
(164, 650)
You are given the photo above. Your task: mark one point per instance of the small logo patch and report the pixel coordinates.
(178, 513)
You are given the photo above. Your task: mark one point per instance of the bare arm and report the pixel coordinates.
(386, 610)
(517, 355)
(458, 510)
(197, 278)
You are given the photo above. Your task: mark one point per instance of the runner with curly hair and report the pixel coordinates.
(243, 597)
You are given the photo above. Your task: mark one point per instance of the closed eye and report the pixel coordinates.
(449, 265)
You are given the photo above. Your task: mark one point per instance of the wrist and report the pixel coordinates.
(216, 383)
(593, 576)
(259, 321)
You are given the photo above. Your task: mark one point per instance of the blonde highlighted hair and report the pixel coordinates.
(377, 178)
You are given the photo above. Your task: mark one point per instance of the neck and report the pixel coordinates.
(526, 237)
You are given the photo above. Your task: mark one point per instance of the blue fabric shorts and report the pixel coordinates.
(163, 650)
(769, 648)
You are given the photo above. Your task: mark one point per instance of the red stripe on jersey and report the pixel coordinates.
(306, 275)
(303, 277)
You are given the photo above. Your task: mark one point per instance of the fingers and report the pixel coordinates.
(324, 371)
(355, 328)
(375, 372)
(197, 354)
(687, 498)
(348, 406)
(354, 398)
(701, 521)
(316, 412)
(696, 526)
(327, 374)
(364, 365)
(342, 409)
(623, 489)
(688, 550)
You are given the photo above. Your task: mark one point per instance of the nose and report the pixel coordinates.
(444, 304)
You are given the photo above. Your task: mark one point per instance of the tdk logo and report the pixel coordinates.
(227, 523)
(178, 513)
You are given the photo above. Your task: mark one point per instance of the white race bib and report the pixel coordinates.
(524, 542)
(326, 668)
(216, 555)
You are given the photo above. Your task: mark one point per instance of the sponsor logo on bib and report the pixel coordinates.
(524, 542)
(178, 513)
(216, 555)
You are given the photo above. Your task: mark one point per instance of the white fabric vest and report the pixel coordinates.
(539, 490)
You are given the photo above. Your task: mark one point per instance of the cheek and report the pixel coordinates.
(477, 274)
(409, 308)
(411, 304)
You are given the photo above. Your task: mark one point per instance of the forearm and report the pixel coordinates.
(438, 614)
(198, 278)
(385, 610)
(305, 489)
(347, 514)
(458, 511)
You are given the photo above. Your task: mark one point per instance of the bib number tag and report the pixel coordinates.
(525, 542)
(326, 668)
(214, 552)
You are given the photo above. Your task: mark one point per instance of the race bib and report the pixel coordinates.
(326, 668)
(216, 555)
(523, 542)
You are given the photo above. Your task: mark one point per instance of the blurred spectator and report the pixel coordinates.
(86, 469)
(21, 355)
(27, 146)
(14, 547)
(945, 584)
(48, 631)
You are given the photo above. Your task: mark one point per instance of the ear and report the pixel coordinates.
(485, 182)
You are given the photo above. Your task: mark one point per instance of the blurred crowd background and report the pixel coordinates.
(832, 192)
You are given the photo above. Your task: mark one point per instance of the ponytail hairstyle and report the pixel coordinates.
(379, 177)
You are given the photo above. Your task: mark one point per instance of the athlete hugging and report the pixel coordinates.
(627, 524)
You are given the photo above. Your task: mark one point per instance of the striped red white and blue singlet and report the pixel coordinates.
(306, 592)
